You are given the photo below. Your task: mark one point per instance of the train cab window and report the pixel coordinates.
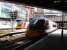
(54, 25)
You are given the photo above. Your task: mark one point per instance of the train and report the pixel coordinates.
(39, 27)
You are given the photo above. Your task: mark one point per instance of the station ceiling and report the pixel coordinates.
(48, 4)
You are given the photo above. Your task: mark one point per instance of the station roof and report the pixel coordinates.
(48, 4)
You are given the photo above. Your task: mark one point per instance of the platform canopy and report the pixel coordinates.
(49, 4)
